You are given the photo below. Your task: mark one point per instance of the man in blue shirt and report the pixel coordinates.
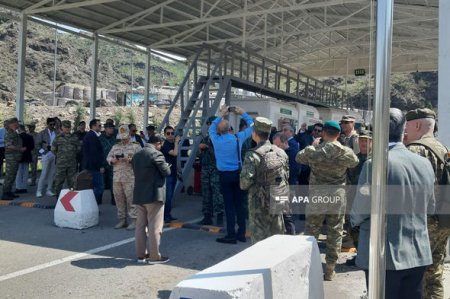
(227, 149)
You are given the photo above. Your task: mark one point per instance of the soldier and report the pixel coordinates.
(349, 136)
(34, 153)
(13, 154)
(329, 162)
(420, 140)
(108, 139)
(212, 198)
(65, 147)
(120, 158)
(258, 176)
(365, 147)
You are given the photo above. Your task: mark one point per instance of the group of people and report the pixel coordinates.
(242, 173)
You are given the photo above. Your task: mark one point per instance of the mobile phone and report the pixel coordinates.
(232, 109)
(120, 156)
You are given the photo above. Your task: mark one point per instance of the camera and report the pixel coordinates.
(232, 109)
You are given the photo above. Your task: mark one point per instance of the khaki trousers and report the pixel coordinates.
(149, 216)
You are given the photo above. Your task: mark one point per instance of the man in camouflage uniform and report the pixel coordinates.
(108, 140)
(65, 148)
(263, 223)
(349, 136)
(13, 154)
(329, 162)
(419, 129)
(212, 202)
(34, 153)
(120, 158)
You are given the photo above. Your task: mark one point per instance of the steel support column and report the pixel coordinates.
(21, 53)
(94, 76)
(444, 72)
(147, 89)
(377, 253)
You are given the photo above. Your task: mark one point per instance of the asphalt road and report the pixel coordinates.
(40, 260)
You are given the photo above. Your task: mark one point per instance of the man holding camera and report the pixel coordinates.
(227, 149)
(120, 158)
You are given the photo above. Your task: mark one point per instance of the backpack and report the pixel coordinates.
(83, 181)
(444, 201)
(272, 179)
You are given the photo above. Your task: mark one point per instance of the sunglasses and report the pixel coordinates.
(169, 133)
(346, 122)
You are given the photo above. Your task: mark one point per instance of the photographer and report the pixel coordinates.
(227, 149)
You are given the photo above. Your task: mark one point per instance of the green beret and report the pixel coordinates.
(420, 113)
(262, 124)
(211, 119)
(365, 134)
(332, 124)
(66, 124)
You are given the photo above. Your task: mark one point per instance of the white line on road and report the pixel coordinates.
(76, 256)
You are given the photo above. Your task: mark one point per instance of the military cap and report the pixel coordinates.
(332, 124)
(348, 118)
(124, 132)
(109, 125)
(13, 120)
(211, 119)
(66, 124)
(365, 134)
(262, 124)
(420, 113)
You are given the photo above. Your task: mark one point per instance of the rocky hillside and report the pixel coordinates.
(74, 63)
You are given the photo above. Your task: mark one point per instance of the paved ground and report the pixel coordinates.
(40, 260)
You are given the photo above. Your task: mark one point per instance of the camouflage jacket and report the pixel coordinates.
(328, 161)
(350, 141)
(123, 170)
(207, 156)
(65, 148)
(13, 139)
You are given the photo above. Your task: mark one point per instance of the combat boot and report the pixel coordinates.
(219, 219)
(329, 272)
(132, 225)
(122, 223)
(207, 220)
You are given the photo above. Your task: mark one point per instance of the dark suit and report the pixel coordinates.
(294, 167)
(138, 140)
(93, 160)
(410, 197)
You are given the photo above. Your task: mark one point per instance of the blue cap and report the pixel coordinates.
(332, 124)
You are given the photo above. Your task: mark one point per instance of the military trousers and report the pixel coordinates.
(262, 223)
(64, 172)
(33, 165)
(123, 194)
(212, 202)
(433, 279)
(11, 168)
(333, 213)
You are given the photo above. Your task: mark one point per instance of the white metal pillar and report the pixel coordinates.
(377, 253)
(444, 73)
(147, 88)
(21, 53)
(94, 76)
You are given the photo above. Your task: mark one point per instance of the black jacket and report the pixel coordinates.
(28, 142)
(93, 158)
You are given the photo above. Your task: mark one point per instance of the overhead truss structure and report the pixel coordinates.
(318, 37)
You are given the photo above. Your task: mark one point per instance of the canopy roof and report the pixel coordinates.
(317, 37)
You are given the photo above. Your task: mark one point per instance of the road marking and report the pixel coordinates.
(77, 256)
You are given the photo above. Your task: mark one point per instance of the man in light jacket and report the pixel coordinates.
(150, 172)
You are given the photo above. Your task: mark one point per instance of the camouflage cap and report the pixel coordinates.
(348, 118)
(365, 134)
(262, 124)
(420, 113)
(13, 120)
(332, 124)
(124, 132)
(66, 124)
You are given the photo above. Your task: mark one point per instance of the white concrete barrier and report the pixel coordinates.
(278, 267)
(76, 209)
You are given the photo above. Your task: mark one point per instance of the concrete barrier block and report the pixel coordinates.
(76, 209)
(278, 267)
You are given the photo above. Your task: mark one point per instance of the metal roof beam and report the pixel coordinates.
(235, 15)
(66, 6)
